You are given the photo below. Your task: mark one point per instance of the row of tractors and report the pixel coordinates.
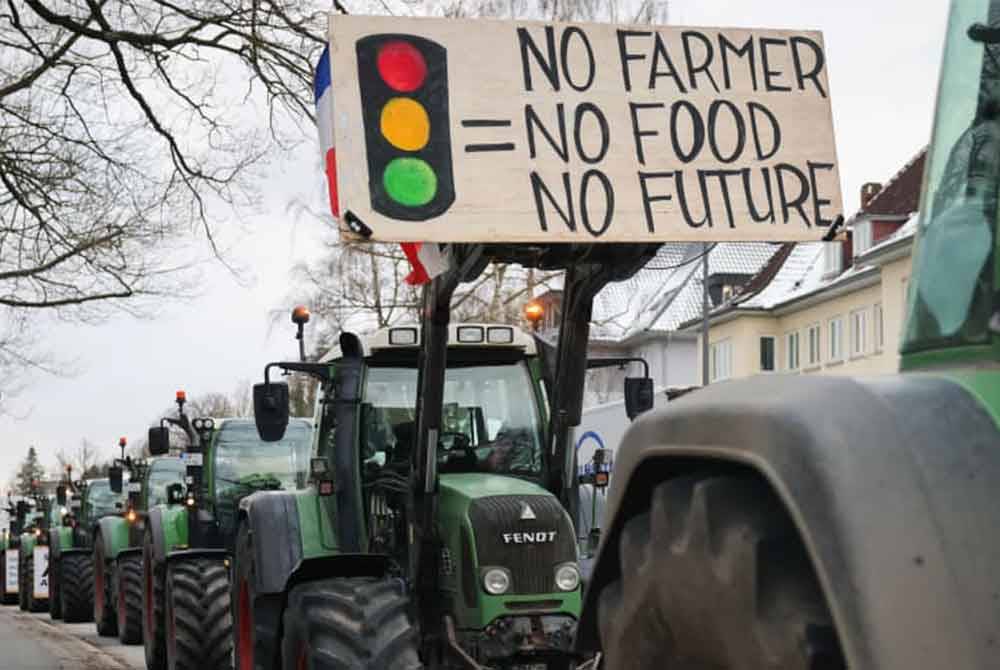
(281, 542)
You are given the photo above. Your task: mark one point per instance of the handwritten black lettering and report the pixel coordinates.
(647, 199)
(539, 188)
(818, 63)
(746, 51)
(769, 74)
(531, 122)
(609, 202)
(697, 133)
(755, 108)
(723, 177)
(564, 53)
(687, 37)
(547, 63)
(591, 109)
(625, 56)
(818, 202)
(637, 134)
(660, 54)
(740, 130)
(683, 200)
(756, 214)
(788, 204)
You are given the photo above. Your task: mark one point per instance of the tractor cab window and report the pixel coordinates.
(163, 473)
(101, 499)
(954, 296)
(489, 421)
(244, 463)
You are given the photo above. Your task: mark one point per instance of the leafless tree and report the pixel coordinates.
(85, 460)
(126, 126)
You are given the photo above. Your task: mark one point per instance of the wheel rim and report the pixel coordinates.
(246, 627)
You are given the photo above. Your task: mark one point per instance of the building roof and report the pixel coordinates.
(900, 196)
(668, 291)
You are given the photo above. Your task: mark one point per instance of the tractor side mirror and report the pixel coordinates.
(270, 410)
(61, 495)
(175, 494)
(115, 478)
(638, 396)
(159, 440)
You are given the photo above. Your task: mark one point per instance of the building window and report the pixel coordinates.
(767, 354)
(862, 237)
(879, 326)
(721, 363)
(792, 351)
(833, 258)
(815, 344)
(859, 332)
(836, 328)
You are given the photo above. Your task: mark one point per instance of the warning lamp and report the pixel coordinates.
(533, 311)
(122, 441)
(131, 516)
(181, 396)
(300, 315)
(404, 99)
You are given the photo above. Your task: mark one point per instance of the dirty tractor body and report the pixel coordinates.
(808, 521)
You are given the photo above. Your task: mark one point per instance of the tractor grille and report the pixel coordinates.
(532, 563)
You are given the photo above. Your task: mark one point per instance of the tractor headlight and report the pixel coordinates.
(496, 581)
(567, 577)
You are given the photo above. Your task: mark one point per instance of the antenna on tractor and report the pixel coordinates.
(300, 317)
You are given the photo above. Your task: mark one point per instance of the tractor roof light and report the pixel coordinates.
(533, 311)
(300, 315)
(122, 441)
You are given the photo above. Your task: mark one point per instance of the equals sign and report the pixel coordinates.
(487, 123)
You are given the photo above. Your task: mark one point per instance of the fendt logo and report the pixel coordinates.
(539, 537)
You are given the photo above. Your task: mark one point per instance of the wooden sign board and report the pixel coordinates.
(478, 131)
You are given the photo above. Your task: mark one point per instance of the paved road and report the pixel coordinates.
(35, 642)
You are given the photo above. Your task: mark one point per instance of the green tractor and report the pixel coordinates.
(33, 554)
(803, 521)
(71, 567)
(436, 499)
(10, 543)
(120, 536)
(189, 538)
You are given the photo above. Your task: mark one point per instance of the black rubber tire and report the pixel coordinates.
(22, 589)
(76, 572)
(715, 576)
(55, 601)
(198, 617)
(104, 602)
(154, 639)
(358, 623)
(128, 591)
(34, 604)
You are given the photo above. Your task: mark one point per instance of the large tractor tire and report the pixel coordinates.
(714, 576)
(55, 601)
(76, 574)
(128, 589)
(22, 589)
(104, 602)
(198, 616)
(154, 639)
(33, 604)
(359, 623)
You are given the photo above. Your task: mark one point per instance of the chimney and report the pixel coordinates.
(868, 193)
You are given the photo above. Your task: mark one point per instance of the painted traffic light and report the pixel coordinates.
(404, 98)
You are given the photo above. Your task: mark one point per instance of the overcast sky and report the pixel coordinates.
(883, 67)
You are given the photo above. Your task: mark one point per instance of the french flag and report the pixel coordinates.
(426, 259)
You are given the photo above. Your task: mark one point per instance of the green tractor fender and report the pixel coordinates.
(60, 539)
(169, 528)
(890, 483)
(300, 542)
(113, 533)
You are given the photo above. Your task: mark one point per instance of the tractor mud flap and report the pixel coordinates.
(891, 482)
(273, 515)
(184, 554)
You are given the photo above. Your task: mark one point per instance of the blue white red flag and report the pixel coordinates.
(427, 260)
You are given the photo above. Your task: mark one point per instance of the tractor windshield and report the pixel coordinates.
(101, 499)
(244, 463)
(489, 421)
(162, 473)
(953, 298)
